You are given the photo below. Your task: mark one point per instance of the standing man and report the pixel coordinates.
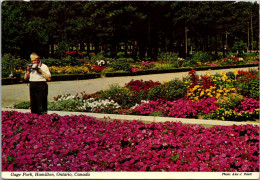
(37, 74)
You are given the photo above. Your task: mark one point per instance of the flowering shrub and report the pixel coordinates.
(66, 105)
(248, 84)
(100, 106)
(69, 70)
(213, 65)
(138, 85)
(247, 109)
(147, 64)
(71, 53)
(97, 68)
(135, 69)
(169, 91)
(33, 142)
(230, 101)
(101, 62)
(180, 108)
(225, 114)
(248, 75)
(83, 102)
(248, 105)
(209, 86)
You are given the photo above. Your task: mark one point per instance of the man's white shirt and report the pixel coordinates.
(35, 76)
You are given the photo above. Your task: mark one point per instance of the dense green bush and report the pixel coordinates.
(54, 62)
(239, 46)
(122, 64)
(65, 105)
(230, 102)
(250, 54)
(121, 95)
(61, 48)
(201, 57)
(155, 93)
(189, 62)
(23, 105)
(10, 62)
(96, 57)
(169, 57)
(174, 90)
(171, 90)
(249, 89)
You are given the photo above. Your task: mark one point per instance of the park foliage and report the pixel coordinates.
(135, 29)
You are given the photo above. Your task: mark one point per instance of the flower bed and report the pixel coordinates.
(77, 63)
(225, 96)
(81, 143)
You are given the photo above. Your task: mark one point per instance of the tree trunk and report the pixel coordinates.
(142, 49)
(96, 47)
(126, 48)
(223, 46)
(216, 45)
(52, 49)
(82, 47)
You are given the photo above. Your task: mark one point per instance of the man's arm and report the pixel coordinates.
(45, 75)
(27, 74)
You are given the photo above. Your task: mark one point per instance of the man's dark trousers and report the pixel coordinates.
(38, 96)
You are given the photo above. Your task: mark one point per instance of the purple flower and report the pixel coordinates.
(82, 143)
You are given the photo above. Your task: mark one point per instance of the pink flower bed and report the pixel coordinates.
(136, 69)
(138, 85)
(180, 108)
(80, 143)
(248, 105)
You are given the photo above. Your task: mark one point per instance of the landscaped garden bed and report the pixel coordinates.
(226, 96)
(33, 142)
(73, 68)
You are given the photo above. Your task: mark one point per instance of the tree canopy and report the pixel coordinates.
(143, 28)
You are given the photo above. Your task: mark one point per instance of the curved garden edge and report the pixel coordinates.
(148, 119)
(7, 81)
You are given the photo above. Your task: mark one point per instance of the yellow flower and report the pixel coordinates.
(222, 73)
(207, 73)
(208, 90)
(201, 93)
(235, 72)
(218, 95)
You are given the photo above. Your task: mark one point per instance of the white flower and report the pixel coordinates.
(101, 62)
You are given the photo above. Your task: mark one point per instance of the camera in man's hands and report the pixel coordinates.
(33, 66)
